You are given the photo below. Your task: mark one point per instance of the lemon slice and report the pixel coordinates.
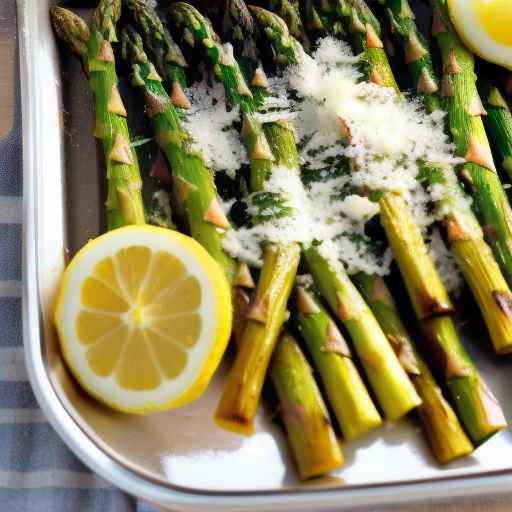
(484, 26)
(143, 316)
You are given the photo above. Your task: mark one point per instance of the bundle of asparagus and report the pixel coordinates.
(463, 232)
(389, 381)
(267, 313)
(436, 414)
(438, 327)
(461, 100)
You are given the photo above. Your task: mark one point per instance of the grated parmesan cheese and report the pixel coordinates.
(315, 219)
(211, 128)
(389, 136)
(359, 208)
(272, 117)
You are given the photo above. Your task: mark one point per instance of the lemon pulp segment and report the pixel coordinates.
(495, 17)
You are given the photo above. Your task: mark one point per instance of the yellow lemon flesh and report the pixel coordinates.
(484, 26)
(496, 16)
(144, 317)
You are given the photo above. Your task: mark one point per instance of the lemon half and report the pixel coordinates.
(143, 317)
(485, 27)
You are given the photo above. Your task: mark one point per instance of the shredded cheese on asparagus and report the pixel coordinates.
(353, 137)
(388, 136)
(211, 127)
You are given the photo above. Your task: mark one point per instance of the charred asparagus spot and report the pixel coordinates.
(426, 291)
(124, 199)
(302, 409)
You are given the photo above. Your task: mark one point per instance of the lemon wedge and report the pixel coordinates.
(484, 26)
(143, 317)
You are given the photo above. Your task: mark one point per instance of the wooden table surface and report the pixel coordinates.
(7, 58)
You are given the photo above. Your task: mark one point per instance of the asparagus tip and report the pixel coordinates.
(71, 28)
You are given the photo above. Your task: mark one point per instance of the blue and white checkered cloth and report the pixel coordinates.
(37, 471)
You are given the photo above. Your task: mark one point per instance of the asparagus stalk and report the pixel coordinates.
(331, 356)
(193, 181)
(417, 54)
(498, 121)
(465, 110)
(265, 317)
(464, 234)
(441, 427)
(479, 412)
(124, 198)
(314, 21)
(303, 411)
(476, 405)
(389, 382)
(394, 391)
(72, 30)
